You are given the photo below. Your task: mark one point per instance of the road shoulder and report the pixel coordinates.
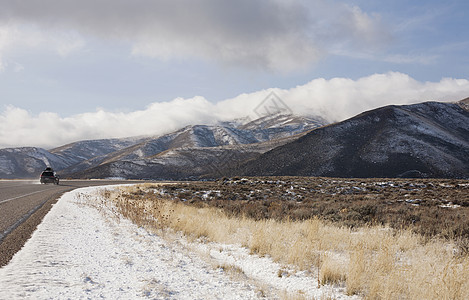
(16, 239)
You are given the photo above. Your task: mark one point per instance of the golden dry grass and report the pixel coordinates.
(376, 262)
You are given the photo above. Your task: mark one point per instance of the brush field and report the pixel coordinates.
(377, 238)
(431, 207)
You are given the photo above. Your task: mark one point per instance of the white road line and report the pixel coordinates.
(3, 201)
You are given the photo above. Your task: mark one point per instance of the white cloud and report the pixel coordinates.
(18, 127)
(341, 98)
(335, 99)
(14, 37)
(272, 35)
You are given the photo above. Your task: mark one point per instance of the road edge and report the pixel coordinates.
(15, 240)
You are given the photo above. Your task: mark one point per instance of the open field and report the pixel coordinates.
(431, 207)
(340, 234)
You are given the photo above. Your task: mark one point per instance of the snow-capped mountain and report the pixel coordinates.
(183, 163)
(205, 136)
(195, 150)
(279, 126)
(85, 157)
(76, 152)
(430, 139)
(27, 162)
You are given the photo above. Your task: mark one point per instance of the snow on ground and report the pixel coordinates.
(79, 252)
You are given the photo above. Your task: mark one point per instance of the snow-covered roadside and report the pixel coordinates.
(76, 252)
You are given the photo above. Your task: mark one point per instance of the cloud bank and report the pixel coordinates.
(334, 99)
(270, 35)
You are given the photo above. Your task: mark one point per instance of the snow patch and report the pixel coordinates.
(77, 252)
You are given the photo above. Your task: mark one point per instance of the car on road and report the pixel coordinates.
(49, 176)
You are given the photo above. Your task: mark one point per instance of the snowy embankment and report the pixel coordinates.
(80, 251)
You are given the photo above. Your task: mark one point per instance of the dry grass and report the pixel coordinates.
(431, 207)
(332, 270)
(232, 270)
(374, 261)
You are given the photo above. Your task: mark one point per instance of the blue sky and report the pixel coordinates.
(87, 63)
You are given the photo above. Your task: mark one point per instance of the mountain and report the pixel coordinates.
(204, 136)
(27, 162)
(76, 152)
(430, 139)
(183, 163)
(196, 150)
(464, 104)
(187, 152)
(86, 154)
(280, 126)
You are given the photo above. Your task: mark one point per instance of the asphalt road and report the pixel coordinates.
(23, 204)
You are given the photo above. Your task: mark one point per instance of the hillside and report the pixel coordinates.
(423, 140)
(27, 162)
(186, 153)
(183, 163)
(195, 151)
(429, 139)
(76, 152)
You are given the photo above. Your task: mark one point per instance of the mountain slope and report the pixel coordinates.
(189, 140)
(183, 163)
(83, 150)
(196, 150)
(187, 152)
(279, 126)
(27, 162)
(204, 136)
(428, 139)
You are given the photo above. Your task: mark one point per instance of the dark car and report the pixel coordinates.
(49, 176)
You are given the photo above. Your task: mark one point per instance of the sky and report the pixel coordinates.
(75, 70)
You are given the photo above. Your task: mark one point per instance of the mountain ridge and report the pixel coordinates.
(74, 159)
(429, 139)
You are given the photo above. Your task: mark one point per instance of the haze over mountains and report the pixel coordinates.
(430, 139)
